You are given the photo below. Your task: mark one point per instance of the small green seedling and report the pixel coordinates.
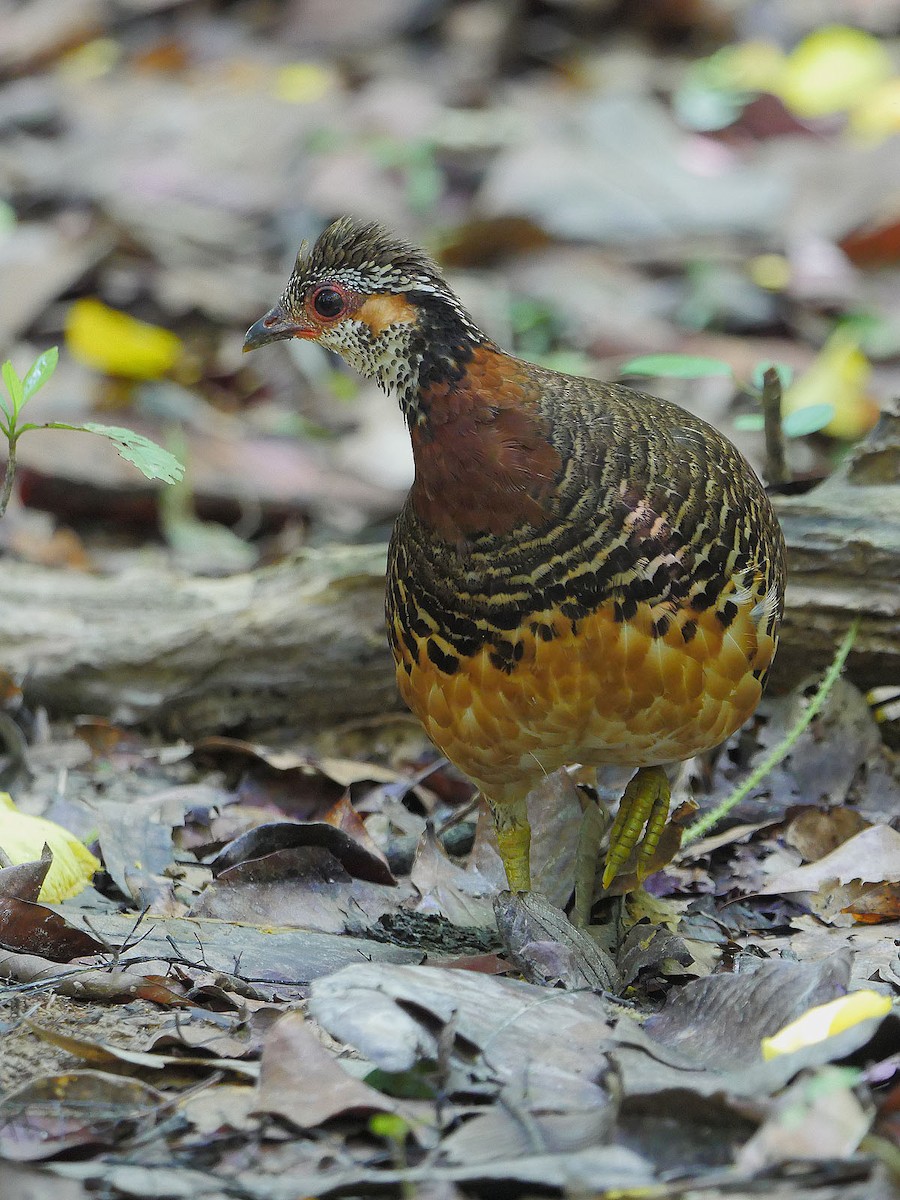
(150, 459)
(395, 1131)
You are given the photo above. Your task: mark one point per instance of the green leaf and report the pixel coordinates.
(149, 458)
(415, 1084)
(390, 1126)
(807, 420)
(783, 371)
(39, 372)
(749, 422)
(568, 362)
(675, 366)
(13, 386)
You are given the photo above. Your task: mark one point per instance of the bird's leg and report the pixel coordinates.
(514, 842)
(644, 802)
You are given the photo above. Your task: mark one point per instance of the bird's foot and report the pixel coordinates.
(514, 843)
(644, 807)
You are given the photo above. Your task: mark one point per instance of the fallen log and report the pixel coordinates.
(843, 542)
(296, 645)
(301, 645)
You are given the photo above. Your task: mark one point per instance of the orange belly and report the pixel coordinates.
(603, 692)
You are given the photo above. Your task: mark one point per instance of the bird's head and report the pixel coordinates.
(379, 302)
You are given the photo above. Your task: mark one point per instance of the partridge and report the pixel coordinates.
(581, 573)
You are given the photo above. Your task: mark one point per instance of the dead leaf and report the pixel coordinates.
(871, 856)
(543, 1047)
(136, 844)
(222, 1106)
(25, 1183)
(275, 836)
(303, 886)
(699, 1019)
(23, 881)
(41, 260)
(79, 1109)
(289, 957)
(647, 948)
(817, 1111)
(815, 832)
(108, 1055)
(342, 815)
(500, 1134)
(36, 929)
(460, 894)
(87, 983)
(303, 1083)
(616, 172)
(876, 903)
(548, 949)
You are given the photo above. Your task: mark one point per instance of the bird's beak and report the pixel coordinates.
(275, 326)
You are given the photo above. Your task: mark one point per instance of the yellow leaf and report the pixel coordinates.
(839, 377)
(770, 271)
(90, 61)
(22, 838)
(877, 116)
(826, 1020)
(753, 66)
(303, 83)
(831, 70)
(117, 344)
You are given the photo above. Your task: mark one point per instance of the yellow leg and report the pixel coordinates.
(645, 802)
(514, 842)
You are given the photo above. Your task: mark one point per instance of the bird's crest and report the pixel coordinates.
(367, 257)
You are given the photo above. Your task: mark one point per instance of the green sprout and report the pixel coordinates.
(781, 751)
(152, 460)
(395, 1131)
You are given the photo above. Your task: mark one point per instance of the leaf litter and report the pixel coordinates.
(323, 913)
(312, 987)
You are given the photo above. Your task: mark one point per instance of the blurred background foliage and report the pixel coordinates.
(601, 179)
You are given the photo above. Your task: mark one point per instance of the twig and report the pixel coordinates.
(776, 470)
(10, 476)
(13, 740)
(708, 820)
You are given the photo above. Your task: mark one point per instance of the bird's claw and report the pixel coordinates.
(644, 807)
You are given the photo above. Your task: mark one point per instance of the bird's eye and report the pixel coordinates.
(328, 302)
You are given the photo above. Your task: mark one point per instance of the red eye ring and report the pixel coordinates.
(328, 301)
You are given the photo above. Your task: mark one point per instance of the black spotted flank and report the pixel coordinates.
(411, 644)
(504, 657)
(660, 627)
(543, 631)
(448, 663)
(574, 611)
(629, 608)
(688, 630)
(727, 613)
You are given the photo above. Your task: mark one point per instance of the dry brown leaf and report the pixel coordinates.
(871, 856)
(303, 1082)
